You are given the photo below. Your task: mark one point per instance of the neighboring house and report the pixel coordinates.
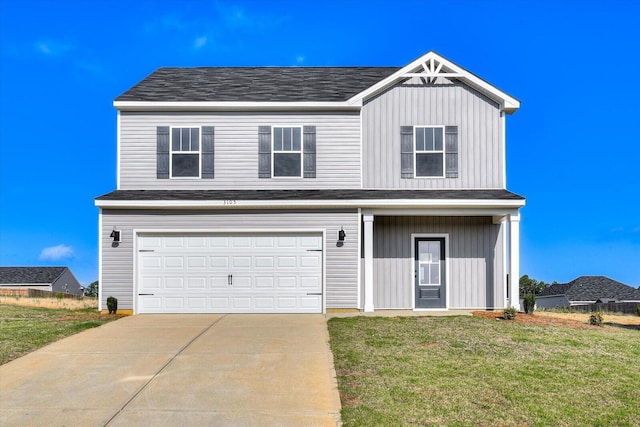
(52, 279)
(311, 189)
(586, 290)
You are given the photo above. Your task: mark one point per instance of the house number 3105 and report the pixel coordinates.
(230, 202)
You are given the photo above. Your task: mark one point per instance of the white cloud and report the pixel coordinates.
(300, 59)
(200, 42)
(56, 253)
(52, 48)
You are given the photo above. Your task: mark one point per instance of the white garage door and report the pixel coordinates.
(229, 273)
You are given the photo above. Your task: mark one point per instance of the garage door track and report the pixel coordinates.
(237, 370)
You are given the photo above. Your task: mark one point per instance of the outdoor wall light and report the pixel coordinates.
(115, 235)
(341, 235)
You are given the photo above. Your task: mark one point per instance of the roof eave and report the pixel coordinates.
(233, 106)
(494, 204)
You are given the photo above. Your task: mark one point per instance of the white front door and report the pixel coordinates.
(229, 273)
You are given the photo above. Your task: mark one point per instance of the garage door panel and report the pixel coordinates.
(219, 261)
(264, 282)
(241, 261)
(174, 262)
(149, 262)
(287, 262)
(197, 262)
(264, 262)
(206, 273)
(173, 242)
(196, 282)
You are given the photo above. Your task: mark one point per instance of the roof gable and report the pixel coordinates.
(15, 275)
(431, 66)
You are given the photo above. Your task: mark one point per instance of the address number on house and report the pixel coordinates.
(230, 202)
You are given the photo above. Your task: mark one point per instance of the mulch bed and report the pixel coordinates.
(534, 320)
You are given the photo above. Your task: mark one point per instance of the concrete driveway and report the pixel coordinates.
(166, 370)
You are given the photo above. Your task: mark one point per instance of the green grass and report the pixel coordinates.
(24, 329)
(468, 371)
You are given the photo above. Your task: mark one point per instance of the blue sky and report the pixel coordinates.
(573, 147)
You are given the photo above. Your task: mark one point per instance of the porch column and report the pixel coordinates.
(514, 260)
(367, 217)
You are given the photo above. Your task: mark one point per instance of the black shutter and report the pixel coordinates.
(207, 152)
(264, 151)
(309, 150)
(406, 151)
(162, 152)
(451, 151)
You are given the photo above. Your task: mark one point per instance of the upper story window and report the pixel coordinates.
(185, 152)
(287, 151)
(429, 151)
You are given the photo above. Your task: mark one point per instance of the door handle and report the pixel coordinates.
(230, 279)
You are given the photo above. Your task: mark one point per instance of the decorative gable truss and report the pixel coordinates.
(432, 66)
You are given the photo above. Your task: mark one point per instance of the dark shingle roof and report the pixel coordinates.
(30, 274)
(592, 288)
(308, 194)
(256, 84)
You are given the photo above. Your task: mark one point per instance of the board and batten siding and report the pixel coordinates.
(480, 147)
(341, 268)
(476, 260)
(236, 150)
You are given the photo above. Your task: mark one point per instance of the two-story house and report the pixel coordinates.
(311, 189)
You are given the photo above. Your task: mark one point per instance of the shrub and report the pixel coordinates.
(112, 305)
(509, 313)
(638, 309)
(59, 295)
(596, 318)
(529, 303)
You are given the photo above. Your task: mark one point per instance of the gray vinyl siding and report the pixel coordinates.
(552, 302)
(480, 147)
(341, 267)
(475, 260)
(236, 150)
(67, 277)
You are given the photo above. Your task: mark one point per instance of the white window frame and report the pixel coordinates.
(172, 152)
(273, 151)
(416, 152)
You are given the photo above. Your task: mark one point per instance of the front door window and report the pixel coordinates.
(430, 289)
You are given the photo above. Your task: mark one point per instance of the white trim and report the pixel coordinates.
(411, 272)
(328, 203)
(368, 218)
(118, 141)
(273, 150)
(514, 260)
(100, 284)
(232, 106)
(172, 152)
(136, 232)
(503, 135)
(359, 266)
(361, 153)
(510, 104)
(425, 151)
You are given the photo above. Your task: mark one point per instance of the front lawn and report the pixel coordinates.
(24, 329)
(475, 371)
